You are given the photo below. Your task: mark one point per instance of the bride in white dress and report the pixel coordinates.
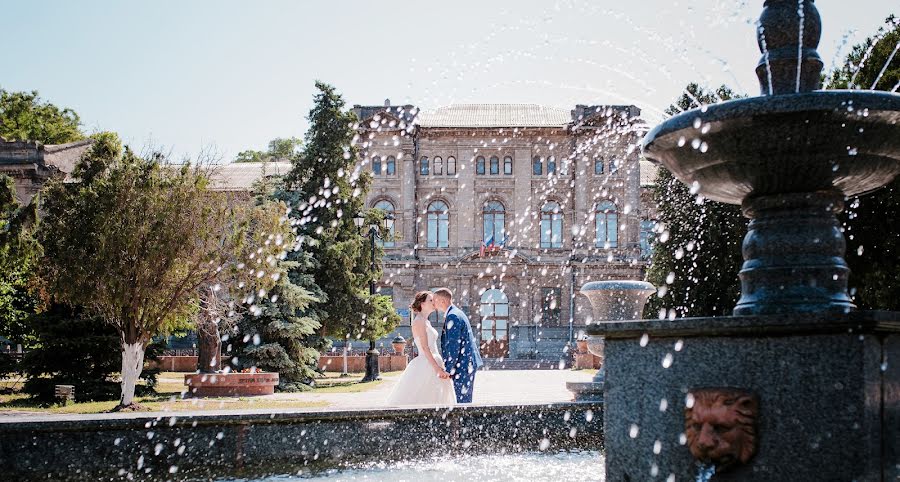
(424, 382)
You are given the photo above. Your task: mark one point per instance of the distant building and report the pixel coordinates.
(556, 193)
(31, 164)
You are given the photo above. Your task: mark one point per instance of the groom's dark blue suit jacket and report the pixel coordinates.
(458, 344)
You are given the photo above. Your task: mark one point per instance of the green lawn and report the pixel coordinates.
(171, 390)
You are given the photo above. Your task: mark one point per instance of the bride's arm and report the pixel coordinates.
(420, 335)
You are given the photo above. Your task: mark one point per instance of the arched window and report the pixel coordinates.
(438, 225)
(494, 223)
(494, 318)
(438, 166)
(391, 166)
(551, 165)
(376, 166)
(495, 165)
(507, 166)
(451, 166)
(479, 165)
(388, 208)
(598, 165)
(613, 166)
(551, 225)
(423, 166)
(607, 220)
(537, 166)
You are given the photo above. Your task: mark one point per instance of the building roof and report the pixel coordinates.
(240, 176)
(495, 115)
(648, 173)
(60, 156)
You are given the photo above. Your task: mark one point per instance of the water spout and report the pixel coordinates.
(705, 472)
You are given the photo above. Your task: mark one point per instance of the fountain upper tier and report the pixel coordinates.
(789, 158)
(793, 139)
(807, 142)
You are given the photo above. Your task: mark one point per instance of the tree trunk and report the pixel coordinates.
(209, 345)
(132, 365)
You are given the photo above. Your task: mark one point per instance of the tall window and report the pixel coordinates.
(494, 222)
(551, 225)
(388, 208)
(537, 166)
(647, 233)
(423, 166)
(495, 165)
(607, 220)
(385, 291)
(438, 166)
(391, 166)
(507, 166)
(551, 165)
(376, 165)
(598, 165)
(494, 315)
(550, 301)
(451, 166)
(438, 225)
(479, 165)
(613, 166)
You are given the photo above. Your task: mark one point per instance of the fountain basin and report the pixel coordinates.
(617, 299)
(816, 141)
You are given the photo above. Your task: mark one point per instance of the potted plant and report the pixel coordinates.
(399, 344)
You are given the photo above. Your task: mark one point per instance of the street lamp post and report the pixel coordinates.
(372, 371)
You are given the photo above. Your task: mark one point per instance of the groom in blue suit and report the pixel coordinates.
(458, 346)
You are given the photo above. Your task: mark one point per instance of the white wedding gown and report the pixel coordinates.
(419, 383)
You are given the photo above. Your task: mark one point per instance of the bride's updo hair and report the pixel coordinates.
(420, 298)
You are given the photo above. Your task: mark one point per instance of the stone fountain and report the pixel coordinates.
(612, 300)
(798, 384)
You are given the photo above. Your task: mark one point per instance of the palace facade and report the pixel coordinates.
(513, 207)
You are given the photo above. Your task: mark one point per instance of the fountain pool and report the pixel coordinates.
(564, 465)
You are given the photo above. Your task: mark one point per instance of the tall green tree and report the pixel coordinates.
(25, 117)
(282, 336)
(19, 254)
(328, 191)
(131, 243)
(871, 222)
(253, 268)
(280, 149)
(697, 254)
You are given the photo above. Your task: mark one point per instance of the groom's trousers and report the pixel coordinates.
(463, 384)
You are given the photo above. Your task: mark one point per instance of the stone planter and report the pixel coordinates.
(231, 384)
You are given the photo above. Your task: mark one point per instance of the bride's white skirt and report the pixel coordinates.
(420, 385)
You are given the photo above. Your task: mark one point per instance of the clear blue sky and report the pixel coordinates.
(233, 74)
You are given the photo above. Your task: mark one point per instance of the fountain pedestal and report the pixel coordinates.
(828, 389)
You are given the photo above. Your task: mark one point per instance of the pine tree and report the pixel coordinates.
(697, 254)
(871, 222)
(327, 191)
(283, 337)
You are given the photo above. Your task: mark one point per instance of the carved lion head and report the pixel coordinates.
(721, 426)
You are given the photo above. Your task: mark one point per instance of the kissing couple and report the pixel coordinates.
(445, 375)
